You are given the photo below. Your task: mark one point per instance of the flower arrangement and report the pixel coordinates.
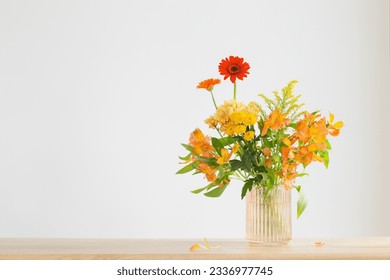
(264, 148)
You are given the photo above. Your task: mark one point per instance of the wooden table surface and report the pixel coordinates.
(144, 249)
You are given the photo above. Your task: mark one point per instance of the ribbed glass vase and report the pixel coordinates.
(268, 216)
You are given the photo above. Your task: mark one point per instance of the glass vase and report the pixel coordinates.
(268, 216)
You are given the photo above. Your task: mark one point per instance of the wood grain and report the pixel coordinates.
(144, 249)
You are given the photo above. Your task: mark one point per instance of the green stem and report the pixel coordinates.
(235, 90)
(220, 134)
(212, 95)
(242, 175)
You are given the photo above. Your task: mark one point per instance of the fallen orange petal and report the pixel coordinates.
(318, 243)
(206, 246)
(195, 247)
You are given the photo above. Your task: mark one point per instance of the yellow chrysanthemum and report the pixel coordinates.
(239, 129)
(233, 113)
(249, 135)
(235, 148)
(249, 119)
(237, 117)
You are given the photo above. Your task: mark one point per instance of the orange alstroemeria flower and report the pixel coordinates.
(276, 120)
(225, 156)
(201, 144)
(233, 67)
(287, 154)
(310, 129)
(209, 171)
(319, 131)
(289, 172)
(209, 84)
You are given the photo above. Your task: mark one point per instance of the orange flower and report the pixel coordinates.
(276, 120)
(209, 84)
(309, 129)
(208, 170)
(318, 131)
(302, 132)
(201, 144)
(286, 154)
(225, 156)
(233, 67)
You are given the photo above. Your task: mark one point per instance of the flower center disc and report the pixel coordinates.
(233, 69)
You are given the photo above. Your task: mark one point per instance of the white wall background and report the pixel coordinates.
(96, 97)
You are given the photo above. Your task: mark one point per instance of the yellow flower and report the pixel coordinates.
(235, 148)
(229, 130)
(249, 119)
(249, 135)
(239, 129)
(233, 113)
(237, 117)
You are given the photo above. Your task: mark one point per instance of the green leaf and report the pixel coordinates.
(187, 157)
(293, 125)
(200, 190)
(216, 192)
(324, 154)
(298, 188)
(209, 161)
(301, 204)
(302, 174)
(217, 145)
(247, 161)
(186, 169)
(328, 146)
(315, 112)
(188, 147)
(225, 141)
(235, 164)
(247, 187)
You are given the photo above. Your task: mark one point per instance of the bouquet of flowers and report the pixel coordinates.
(263, 147)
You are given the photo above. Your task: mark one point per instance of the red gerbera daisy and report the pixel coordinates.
(233, 67)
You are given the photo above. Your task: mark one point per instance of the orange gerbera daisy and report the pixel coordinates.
(233, 67)
(209, 84)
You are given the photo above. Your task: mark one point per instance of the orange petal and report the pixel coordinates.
(338, 125)
(195, 247)
(286, 141)
(331, 117)
(265, 128)
(334, 132)
(318, 243)
(266, 152)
